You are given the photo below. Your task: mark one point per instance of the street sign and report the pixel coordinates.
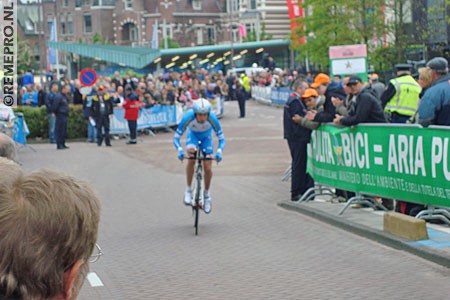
(88, 77)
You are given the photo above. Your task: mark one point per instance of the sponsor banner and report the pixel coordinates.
(154, 117)
(406, 162)
(262, 94)
(280, 95)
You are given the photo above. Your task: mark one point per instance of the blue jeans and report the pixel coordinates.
(92, 133)
(51, 128)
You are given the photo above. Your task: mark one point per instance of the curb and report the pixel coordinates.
(367, 232)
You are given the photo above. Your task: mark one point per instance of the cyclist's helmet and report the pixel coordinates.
(201, 106)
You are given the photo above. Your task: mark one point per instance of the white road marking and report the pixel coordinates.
(94, 280)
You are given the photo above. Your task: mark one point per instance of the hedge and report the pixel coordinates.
(37, 121)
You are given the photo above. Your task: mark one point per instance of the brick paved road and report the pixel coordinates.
(248, 248)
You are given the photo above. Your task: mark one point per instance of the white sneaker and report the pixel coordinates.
(187, 197)
(207, 202)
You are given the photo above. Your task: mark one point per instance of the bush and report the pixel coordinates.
(37, 121)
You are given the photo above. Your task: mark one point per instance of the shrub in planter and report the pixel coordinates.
(37, 121)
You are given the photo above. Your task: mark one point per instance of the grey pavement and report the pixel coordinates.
(368, 223)
(248, 247)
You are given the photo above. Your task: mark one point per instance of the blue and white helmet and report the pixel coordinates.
(201, 106)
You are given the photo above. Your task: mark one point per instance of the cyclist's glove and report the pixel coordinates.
(180, 154)
(218, 156)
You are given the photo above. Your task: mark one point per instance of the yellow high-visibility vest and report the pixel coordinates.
(405, 100)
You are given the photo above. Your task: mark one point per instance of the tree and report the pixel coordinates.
(337, 22)
(25, 55)
(263, 36)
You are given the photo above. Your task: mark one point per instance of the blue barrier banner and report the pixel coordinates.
(280, 95)
(20, 130)
(154, 117)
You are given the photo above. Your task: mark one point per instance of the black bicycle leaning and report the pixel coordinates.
(197, 189)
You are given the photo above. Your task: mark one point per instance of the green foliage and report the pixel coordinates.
(25, 57)
(37, 122)
(36, 119)
(263, 36)
(99, 39)
(172, 44)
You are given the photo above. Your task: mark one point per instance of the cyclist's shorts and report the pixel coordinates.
(207, 142)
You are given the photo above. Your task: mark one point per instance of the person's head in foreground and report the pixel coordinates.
(48, 230)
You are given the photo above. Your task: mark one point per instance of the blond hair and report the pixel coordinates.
(48, 221)
(425, 76)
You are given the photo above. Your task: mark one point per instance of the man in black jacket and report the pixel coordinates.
(367, 107)
(102, 108)
(60, 108)
(298, 138)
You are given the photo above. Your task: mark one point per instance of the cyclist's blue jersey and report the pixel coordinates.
(197, 131)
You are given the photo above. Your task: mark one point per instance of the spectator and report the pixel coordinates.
(328, 89)
(41, 95)
(117, 80)
(48, 224)
(51, 115)
(30, 98)
(28, 78)
(401, 96)
(102, 108)
(7, 147)
(240, 97)
(132, 106)
(378, 86)
(298, 138)
(77, 96)
(434, 107)
(91, 126)
(231, 78)
(60, 108)
(338, 80)
(309, 98)
(367, 108)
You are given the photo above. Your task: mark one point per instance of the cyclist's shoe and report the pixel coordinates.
(187, 197)
(207, 202)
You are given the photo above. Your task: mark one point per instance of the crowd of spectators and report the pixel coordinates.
(422, 98)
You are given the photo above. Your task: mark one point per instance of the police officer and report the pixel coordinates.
(60, 108)
(401, 97)
(298, 138)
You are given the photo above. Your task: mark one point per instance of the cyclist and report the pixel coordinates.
(200, 123)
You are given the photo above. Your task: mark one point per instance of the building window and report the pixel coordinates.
(252, 4)
(87, 23)
(128, 4)
(96, 3)
(199, 36)
(65, 3)
(211, 32)
(197, 4)
(69, 25)
(63, 25)
(77, 3)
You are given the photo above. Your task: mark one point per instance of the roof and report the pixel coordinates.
(142, 57)
(129, 56)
